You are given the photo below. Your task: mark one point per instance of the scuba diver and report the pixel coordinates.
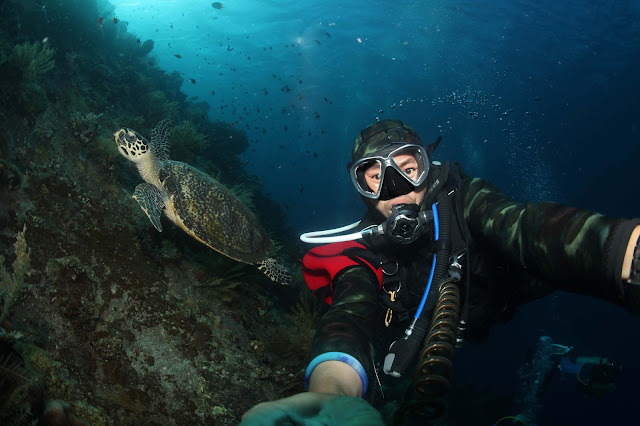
(438, 258)
(595, 376)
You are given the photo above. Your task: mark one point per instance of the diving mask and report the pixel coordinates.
(399, 163)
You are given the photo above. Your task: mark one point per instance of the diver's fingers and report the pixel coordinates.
(314, 409)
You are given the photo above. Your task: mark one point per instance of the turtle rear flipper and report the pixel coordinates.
(274, 270)
(150, 199)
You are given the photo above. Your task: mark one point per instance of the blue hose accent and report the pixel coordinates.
(436, 220)
(436, 225)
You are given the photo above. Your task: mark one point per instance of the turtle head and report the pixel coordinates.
(131, 145)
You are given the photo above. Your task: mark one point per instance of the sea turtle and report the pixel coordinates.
(196, 202)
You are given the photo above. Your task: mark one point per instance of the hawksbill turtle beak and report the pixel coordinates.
(119, 136)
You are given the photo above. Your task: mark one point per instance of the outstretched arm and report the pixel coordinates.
(634, 243)
(580, 250)
(337, 378)
(341, 362)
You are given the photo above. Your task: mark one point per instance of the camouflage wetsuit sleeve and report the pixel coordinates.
(579, 250)
(348, 326)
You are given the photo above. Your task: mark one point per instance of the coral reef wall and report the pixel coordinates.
(115, 323)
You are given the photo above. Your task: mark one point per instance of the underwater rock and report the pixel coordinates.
(146, 47)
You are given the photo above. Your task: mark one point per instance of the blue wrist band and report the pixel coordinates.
(337, 356)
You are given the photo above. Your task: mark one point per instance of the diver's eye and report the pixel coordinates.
(409, 171)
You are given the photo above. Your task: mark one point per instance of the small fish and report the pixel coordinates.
(138, 40)
(217, 5)
(115, 20)
(192, 80)
(178, 56)
(100, 20)
(213, 93)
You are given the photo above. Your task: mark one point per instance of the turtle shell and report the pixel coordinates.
(212, 214)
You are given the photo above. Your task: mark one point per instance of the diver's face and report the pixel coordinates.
(409, 166)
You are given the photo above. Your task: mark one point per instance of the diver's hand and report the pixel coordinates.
(313, 409)
(291, 410)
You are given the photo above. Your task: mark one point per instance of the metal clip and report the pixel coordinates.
(389, 315)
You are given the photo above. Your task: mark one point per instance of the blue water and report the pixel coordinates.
(552, 83)
(540, 97)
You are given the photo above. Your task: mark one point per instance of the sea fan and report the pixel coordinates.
(12, 370)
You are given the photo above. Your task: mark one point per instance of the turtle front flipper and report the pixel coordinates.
(150, 199)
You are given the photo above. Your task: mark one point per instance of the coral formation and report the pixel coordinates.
(188, 142)
(84, 126)
(12, 282)
(32, 60)
(10, 181)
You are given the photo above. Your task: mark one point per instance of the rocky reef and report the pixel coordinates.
(105, 320)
